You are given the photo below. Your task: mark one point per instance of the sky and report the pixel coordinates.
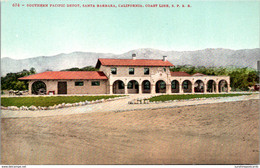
(30, 32)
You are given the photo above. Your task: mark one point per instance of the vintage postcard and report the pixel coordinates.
(129, 82)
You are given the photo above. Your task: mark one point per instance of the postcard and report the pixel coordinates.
(129, 82)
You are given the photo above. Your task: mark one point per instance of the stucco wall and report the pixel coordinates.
(52, 85)
(87, 88)
(156, 74)
(138, 71)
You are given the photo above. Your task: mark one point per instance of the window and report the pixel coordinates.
(79, 83)
(95, 83)
(173, 84)
(185, 85)
(131, 71)
(146, 71)
(113, 71)
(164, 69)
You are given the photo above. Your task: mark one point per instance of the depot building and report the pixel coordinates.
(126, 76)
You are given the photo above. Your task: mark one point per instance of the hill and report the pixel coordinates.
(207, 57)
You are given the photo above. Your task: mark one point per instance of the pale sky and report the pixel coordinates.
(30, 32)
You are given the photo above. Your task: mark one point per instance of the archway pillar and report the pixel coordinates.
(126, 91)
(192, 88)
(180, 88)
(152, 88)
(217, 89)
(205, 87)
(30, 87)
(168, 88)
(110, 89)
(140, 88)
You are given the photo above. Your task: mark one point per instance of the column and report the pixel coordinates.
(30, 87)
(110, 89)
(168, 88)
(180, 88)
(152, 89)
(140, 88)
(217, 91)
(192, 88)
(205, 88)
(126, 91)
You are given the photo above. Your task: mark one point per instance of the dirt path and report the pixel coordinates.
(223, 133)
(121, 105)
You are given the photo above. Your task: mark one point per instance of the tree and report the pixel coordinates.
(10, 81)
(253, 78)
(32, 71)
(87, 68)
(20, 86)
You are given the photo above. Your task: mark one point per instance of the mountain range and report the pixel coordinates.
(207, 57)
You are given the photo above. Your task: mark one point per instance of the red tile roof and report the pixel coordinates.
(179, 74)
(131, 62)
(52, 75)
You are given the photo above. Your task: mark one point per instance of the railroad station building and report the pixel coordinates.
(126, 76)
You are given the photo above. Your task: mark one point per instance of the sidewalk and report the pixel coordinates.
(121, 105)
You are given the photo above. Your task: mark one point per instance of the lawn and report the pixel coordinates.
(191, 96)
(47, 101)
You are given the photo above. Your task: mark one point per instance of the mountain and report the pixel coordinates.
(207, 57)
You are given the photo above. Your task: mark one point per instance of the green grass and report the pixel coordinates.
(47, 101)
(191, 96)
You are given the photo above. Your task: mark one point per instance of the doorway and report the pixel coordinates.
(62, 87)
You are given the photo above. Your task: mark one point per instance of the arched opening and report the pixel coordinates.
(199, 86)
(146, 86)
(175, 86)
(160, 87)
(118, 87)
(223, 87)
(133, 87)
(186, 86)
(39, 88)
(211, 86)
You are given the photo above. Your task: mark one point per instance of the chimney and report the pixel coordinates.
(164, 58)
(134, 56)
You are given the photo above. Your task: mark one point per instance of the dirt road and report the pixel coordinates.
(223, 133)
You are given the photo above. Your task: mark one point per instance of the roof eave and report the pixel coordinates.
(67, 79)
(98, 64)
(143, 65)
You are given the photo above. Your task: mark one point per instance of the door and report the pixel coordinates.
(62, 87)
